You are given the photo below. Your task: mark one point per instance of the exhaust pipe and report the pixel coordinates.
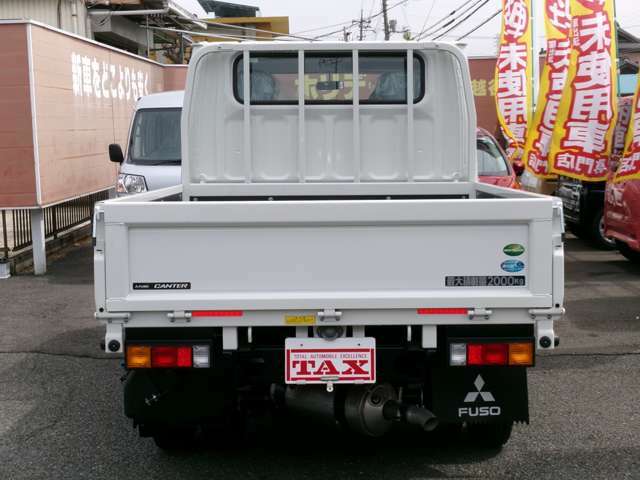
(411, 414)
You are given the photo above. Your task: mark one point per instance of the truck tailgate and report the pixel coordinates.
(327, 254)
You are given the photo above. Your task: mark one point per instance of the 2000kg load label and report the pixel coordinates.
(486, 281)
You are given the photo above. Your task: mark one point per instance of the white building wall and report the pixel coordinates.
(46, 11)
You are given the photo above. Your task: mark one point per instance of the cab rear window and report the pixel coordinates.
(328, 78)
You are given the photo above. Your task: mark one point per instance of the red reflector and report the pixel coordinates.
(184, 357)
(217, 313)
(488, 354)
(164, 357)
(443, 311)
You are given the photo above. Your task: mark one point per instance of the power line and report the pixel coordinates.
(455, 19)
(430, 28)
(389, 8)
(463, 20)
(323, 28)
(354, 22)
(215, 35)
(424, 24)
(480, 25)
(257, 30)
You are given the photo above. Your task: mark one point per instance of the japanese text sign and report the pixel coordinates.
(557, 17)
(629, 168)
(513, 74)
(582, 139)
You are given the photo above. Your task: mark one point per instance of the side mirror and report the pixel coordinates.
(115, 153)
(518, 168)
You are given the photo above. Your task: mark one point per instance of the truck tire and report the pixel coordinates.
(490, 435)
(629, 253)
(174, 439)
(595, 229)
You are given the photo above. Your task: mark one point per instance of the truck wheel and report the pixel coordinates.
(596, 232)
(174, 439)
(490, 435)
(628, 252)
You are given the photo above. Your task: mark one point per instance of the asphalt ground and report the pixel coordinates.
(61, 399)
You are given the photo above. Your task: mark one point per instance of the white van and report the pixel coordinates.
(153, 156)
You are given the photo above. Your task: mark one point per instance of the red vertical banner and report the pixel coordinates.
(514, 69)
(583, 135)
(552, 82)
(625, 107)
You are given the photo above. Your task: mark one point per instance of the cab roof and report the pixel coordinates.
(173, 99)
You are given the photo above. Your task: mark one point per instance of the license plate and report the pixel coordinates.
(343, 360)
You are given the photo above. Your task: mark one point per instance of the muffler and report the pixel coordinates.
(369, 410)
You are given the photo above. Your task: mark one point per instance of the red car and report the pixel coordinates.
(622, 217)
(493, 166)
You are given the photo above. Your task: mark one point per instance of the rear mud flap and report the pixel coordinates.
(480, 395)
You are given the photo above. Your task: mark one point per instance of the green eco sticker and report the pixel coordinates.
(513, 249)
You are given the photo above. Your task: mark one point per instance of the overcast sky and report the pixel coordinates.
(413, 14)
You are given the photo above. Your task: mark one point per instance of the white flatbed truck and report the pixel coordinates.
(329, 251)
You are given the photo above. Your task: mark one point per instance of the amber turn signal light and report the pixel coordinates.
(521, 353)
(138, 357)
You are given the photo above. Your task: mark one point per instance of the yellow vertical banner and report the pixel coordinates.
(583, 135)
(557, 17)
(514, 69)
(629, 168)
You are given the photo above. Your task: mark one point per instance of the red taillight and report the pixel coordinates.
(496, 354)
(479, 354)
(488, 354)
(474, 354)
(184, 357)
(168, 357)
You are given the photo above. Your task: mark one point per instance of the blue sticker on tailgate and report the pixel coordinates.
(512, 266)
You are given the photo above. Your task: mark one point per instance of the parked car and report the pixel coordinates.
(153, 155)
(584, 201)
(622, 217)
(584, 210)
(493, 166)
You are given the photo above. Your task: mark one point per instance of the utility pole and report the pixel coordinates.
(346, 34)
(387, 32)
(535, 58)
(361, 36)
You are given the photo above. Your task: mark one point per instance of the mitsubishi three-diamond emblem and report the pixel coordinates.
(473, 396)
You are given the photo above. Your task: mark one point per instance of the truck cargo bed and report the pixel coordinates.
(347, 254)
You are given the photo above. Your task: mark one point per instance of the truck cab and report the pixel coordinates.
(153, 153)
(333, 253)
